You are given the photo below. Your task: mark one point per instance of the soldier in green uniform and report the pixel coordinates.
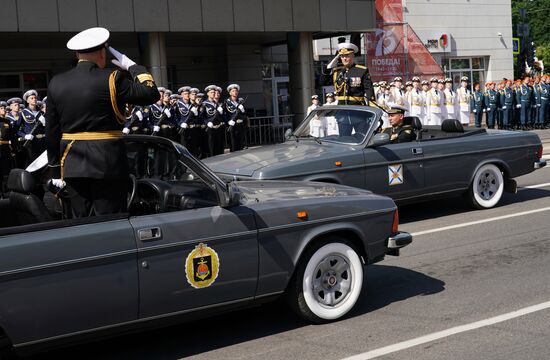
(398, 132)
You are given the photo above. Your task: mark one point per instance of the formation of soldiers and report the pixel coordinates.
(510, 105)
(198, 121)
(204, 124)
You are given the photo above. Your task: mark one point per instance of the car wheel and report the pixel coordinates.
(327, 282)
(487, 187)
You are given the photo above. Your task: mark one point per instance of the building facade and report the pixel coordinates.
(478, 33)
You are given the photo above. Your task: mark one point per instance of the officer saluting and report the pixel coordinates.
(352, 82)
(83, 128)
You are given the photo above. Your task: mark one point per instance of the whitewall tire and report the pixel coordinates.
(487, 187)
(327, 282)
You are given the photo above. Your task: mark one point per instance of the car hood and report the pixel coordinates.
(245, 163)
(265, 190)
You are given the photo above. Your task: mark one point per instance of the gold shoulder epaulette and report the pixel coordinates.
(360, 66)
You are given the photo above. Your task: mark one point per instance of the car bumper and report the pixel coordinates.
(540, 164)
(399, 240)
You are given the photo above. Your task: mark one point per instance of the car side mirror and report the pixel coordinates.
(288, 133)
(379, 140)
(233, 195)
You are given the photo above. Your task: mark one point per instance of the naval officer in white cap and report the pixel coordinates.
(84, 122)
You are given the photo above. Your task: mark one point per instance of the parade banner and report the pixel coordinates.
(394, 49)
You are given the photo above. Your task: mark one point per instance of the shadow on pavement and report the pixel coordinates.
(383, 286)
(457, 205)
(388, 284)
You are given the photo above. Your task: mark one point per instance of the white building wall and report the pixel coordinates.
(473, 26)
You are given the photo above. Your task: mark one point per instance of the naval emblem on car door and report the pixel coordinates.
(202, 266)
(395, 174)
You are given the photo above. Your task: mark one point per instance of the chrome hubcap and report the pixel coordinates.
(332, 280)
(487, 185)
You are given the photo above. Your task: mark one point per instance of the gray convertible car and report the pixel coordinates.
(341, 145)
(191, 245)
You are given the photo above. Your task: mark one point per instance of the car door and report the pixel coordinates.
(395, 170)
(197, 257)
(66, 277)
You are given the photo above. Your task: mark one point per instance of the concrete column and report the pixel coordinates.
(301, 76)
(155, 57)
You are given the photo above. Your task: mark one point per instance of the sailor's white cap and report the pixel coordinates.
(347, 48)
(29, 93)
(89, 40)
(233, 86)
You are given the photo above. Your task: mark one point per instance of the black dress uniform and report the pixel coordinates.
(399, 132)
(84, 119)
(6, 157)
(352, 85)
(235, 119)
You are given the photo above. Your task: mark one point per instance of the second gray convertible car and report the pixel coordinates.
(341, 145)
(190, 245)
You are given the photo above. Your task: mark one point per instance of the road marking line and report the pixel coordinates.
(534, 186)
(479, 222)
(446, 333)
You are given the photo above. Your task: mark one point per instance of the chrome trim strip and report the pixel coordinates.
(137, 321)
(68, 262)
(193, 241)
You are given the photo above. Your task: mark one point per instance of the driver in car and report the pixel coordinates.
(398, 132)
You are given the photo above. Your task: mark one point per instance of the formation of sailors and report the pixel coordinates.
(521, 105)
(202, 122)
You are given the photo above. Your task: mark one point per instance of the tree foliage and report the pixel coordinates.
(536, 15)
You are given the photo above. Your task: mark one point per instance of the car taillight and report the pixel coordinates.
(540, 152)
(395, 224)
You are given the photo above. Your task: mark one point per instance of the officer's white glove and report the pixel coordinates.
(518, 106)
(241, 107)
(195, 111)
(504, 107)
(538, 105)
(210, 124)
(29, 137)
(220, 109)
(231, 123)
(42, 120)
(484, 110)
(475, 111)
(183, 125)
(156, 128)
(126, 131)
(167, 113)
(122, 61)
(139, 115)
(58, 183)
(333, 62)
(488, 109)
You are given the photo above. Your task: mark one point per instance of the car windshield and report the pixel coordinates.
(336, 125)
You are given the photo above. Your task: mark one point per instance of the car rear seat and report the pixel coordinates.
(415, 123)
(29, 208)
(452, 127)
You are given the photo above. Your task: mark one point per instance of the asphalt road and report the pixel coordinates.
(445, 279)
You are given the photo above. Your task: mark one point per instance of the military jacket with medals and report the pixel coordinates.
(79, 101)
(210, 113)
(351, 84)
(232, 112)
(400, 133)
(29, 120)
